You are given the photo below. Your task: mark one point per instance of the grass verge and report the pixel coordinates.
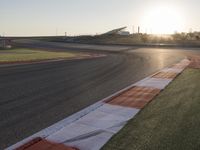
(170, 122)
(16, 55)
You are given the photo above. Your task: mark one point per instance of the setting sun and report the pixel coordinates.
(163, 20)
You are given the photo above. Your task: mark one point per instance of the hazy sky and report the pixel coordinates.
(44, 17)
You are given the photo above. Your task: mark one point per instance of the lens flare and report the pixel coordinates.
(163, 20)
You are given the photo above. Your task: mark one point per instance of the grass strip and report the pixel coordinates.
(31, 55)
(170, 122)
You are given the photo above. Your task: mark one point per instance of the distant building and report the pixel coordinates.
(1, 43)
(5, 43)
(119, 31)
(196, 35)
(124, 33)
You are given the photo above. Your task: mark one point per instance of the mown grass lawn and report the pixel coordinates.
(15, 55)
(170, 122)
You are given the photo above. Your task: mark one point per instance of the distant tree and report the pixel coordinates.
(180, 36)
(197, 37)
(144, 38)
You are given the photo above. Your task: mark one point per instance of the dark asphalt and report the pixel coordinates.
(35, 96)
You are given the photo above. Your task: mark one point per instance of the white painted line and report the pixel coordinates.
(103, 120)
(71, 131)
(93, 142)
(154, 83)
(118, 110)
(173, 70)
(185, 61)
(107, 119)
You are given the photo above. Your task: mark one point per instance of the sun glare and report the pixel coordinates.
(163, 20)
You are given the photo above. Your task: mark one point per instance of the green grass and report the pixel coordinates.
(170, 122)
(15, 55)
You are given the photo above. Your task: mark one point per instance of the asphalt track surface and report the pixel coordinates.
(35, 96)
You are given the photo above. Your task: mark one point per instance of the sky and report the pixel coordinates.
(78, 17)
